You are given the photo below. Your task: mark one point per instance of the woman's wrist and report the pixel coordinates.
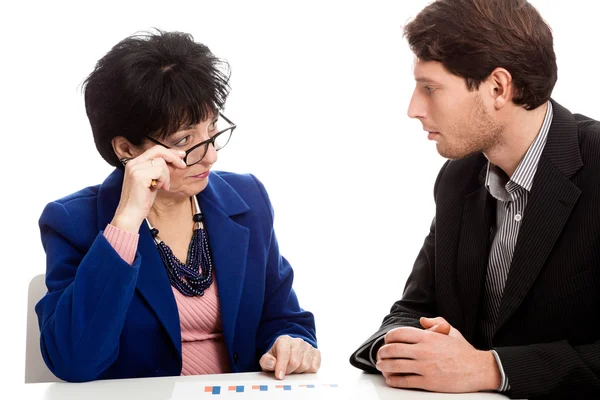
(126, 223)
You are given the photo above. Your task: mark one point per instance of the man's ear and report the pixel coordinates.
(500, 87)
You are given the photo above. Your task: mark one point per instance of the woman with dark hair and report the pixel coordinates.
(167, 267)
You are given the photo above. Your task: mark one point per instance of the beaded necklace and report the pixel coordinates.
(187, 277)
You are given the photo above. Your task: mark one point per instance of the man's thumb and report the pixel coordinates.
(439, 325)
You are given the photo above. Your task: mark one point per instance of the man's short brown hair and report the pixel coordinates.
(473, 37)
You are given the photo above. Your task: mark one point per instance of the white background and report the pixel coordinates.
(319, 93)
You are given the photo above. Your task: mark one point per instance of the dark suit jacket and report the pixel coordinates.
(103, 318)
(548, 330)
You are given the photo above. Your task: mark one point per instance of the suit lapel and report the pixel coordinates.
(549, 206)
(472, 259)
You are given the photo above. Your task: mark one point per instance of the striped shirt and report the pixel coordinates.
(511, 196)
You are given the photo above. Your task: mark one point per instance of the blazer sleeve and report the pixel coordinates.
(418, 300)
(281, 313)
(89, 291)
(557, 368)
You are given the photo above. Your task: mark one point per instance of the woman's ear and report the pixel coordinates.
(124, 149)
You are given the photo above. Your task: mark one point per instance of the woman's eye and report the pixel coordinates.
(183, 141)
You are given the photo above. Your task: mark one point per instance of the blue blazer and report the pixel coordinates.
(104, 319)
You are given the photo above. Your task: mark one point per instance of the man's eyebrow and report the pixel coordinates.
(425, 80)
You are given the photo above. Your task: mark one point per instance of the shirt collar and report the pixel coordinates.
(497, 182)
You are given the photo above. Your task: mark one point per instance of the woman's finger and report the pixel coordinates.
(173, 157)
(267, 362)
(307, 359)
(316, 361)
(162, 175)
(297, 351)
(282, 352)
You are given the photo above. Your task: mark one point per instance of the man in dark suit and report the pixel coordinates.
(505, 292)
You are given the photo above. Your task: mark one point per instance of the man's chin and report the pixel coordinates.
(452, 154)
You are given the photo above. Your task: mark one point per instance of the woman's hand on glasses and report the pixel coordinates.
(144, 176)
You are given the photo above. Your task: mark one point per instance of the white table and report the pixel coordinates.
(162, 388)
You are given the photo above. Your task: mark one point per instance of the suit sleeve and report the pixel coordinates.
(281, 313)
(89, 291)
(418, 300)
(556, 368)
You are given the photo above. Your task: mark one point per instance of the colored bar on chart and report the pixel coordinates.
(212, 389)
(262, 388)
(284, 387)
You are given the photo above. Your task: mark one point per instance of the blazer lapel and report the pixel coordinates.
(229, 247)
(153, 282)
(472, 259)
(550, 203)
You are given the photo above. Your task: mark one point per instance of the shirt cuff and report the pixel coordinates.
(125, 243)
(370, 359)
(377, 343)
(504, 386)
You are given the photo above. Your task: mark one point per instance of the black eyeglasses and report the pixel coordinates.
(195, 154)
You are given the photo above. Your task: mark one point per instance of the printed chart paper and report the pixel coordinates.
(280, 390)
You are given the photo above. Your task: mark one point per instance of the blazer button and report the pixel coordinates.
(235, 357)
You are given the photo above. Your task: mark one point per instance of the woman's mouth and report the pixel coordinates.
(202, 175)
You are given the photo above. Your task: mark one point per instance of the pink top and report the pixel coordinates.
(203, 348)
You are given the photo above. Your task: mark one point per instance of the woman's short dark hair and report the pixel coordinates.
(473, 37)
(152, 83)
